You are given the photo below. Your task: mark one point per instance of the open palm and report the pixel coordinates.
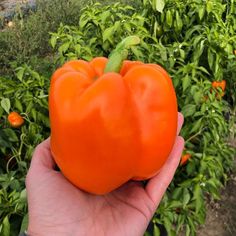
(56, 207)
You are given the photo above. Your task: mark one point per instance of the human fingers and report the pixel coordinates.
(157, 186)
(180, 122)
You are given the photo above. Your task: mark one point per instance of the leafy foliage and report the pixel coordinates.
(25, 93)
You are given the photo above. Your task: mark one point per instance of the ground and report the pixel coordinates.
(221, 215)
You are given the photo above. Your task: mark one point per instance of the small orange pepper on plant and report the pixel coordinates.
(219, 84)
(15, 119)
(185, 158)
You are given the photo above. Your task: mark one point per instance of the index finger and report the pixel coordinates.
(157, 185)
(180, 122)
(42, 157)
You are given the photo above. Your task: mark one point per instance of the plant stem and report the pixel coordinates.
(194, 136)
(120, 53)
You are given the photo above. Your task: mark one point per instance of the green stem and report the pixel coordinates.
(120, 53)
(194, 136)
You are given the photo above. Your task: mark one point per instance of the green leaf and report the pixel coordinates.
(182, 53)
(180, 223)
(84, 19)
(186, 82)
(147, 234)
(160, 4)
(6, 104)
(211, 58)
(23, 194)
(34, 114)
(163, 53)
(217, 63)
(108, 33)
(156, 231)
(188, 231)
(175, 204)
(169, 18)
(12, 137)
(179, 22)
(191, 224)
(168, 226)
(201, 216)
(77, 48)
(53, 41)
(35, 75)
(229, 49)
(64, 47)
(18, 105)
(197, 195)
(4, 140)
(191, 31)
(5, 227)
(177, 193)
(138, 54)
(196, 126)
(24, 223)
(201, 12)
(189, 110)
(104, 16)
(1, 111)
(203, 108)
(198, 96)
(186, 197)
(191, 168)
(198, 49)
(203, 69)
(209, 6)
(20, 73)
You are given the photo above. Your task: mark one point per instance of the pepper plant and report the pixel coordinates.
(26, 92)
(187, 46)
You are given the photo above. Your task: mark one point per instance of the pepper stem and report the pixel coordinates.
(120, 53)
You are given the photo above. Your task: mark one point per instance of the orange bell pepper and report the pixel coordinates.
(185, 158)
(110, 127)
(15, 119)
(219, 84)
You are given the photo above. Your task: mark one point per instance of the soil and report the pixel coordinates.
(221, 215)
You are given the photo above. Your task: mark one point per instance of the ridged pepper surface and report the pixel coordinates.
(110, 127)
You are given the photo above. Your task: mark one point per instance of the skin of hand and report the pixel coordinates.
(56, 207)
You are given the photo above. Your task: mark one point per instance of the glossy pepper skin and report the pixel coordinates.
(15, 119)
(108, 128)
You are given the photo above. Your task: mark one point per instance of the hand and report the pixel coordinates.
(56, 207)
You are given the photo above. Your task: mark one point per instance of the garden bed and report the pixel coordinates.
(221, 215)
